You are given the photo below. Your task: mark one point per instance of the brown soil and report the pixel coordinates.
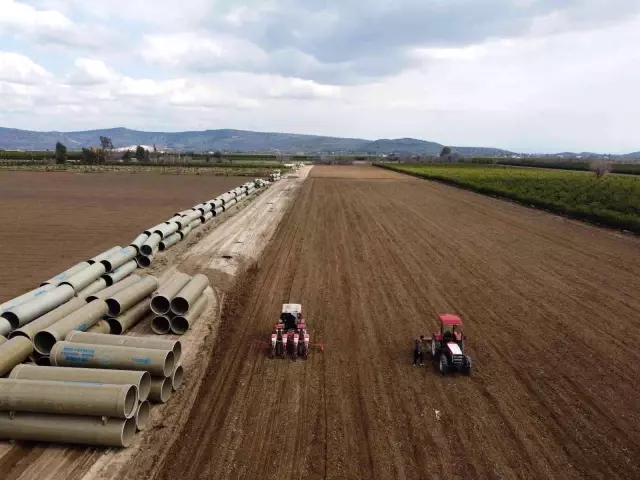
(51, 221)
(551, 311)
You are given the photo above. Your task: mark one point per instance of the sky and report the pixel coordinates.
(525, 75)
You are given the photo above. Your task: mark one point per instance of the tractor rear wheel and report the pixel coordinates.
(434, 348)
(466, 368)
(444, 364)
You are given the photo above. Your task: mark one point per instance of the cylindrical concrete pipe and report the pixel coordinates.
(143, 413)
(13, 352)
(181, 323)
(161, 324)
(166, 229)
(87, 276)
(192, 215)
(25, 313)
(142, 380)
(229, 204)
(170, 241)
(185, 231)
(95, 287)
(119, 258)
(49, 319)
(104, 255)
(157, 362)
(81, 319)
(139, 241)
(103, 326)
(218, 211)
(5, 326)
(251, 191)
(161, 299)
(2, 340)
(216, 203)
(161, 389)
(151, 245)
(166, 277)
(207, 216)
(189, 294)
(177, 378)
(61, 277)
(46, 427)
(125, 299)
(115, 288)
(26, 297)
(68, 398)
(127, 341)
(145, 261)
(204, 208)
(120, 324)
(195, 224)
(121, 272)
(226, 197)
(177, 218)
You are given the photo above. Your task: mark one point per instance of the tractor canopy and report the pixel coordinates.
(449, 319)
(292, 308)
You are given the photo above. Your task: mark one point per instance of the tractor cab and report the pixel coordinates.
(448, 345)
(290, 316)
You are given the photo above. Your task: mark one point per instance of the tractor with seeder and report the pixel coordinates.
(290, 336)
(447, 346)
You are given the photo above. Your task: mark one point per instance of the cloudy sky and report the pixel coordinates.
(527, 75)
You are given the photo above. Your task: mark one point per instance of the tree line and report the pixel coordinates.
(104, 153)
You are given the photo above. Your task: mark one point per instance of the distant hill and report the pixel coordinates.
(229, 141)
(633, 155)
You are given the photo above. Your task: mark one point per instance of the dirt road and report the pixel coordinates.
(552, 314)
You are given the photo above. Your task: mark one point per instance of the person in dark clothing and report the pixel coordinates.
(418, 351)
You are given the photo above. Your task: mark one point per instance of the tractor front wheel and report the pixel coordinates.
(467, 365)
(444, 364)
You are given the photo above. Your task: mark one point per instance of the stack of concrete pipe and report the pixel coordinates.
(179, 303)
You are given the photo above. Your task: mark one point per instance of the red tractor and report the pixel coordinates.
(290, 335)
(448, 345)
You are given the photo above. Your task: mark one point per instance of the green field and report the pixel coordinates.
(613, 200)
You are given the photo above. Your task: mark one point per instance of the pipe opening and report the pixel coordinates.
(18, 333)
(146, 250)
(142, 415)
(43, 361)
(144, 387)
(130, 401)
(179, 325)
(169, 364)
(144, 261)
(162, 247)
(114, 307)
(128, 431)
(115, 326)
(177, 378)
(160, 305)
(107, 265)
(12, 318)
(166, 391)
(177, 351)
(108, 280)
(44, 342)
(160, 325)
(180, 305)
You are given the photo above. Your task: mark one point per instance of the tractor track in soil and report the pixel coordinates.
(553, 322)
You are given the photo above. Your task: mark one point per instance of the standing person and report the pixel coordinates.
(418, 351)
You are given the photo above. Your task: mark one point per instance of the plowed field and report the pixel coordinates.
(551, 310)
(51, 221)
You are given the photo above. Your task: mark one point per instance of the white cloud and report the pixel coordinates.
(89, 71)
(17, 68)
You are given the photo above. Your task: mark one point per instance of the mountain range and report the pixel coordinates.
(229, 141)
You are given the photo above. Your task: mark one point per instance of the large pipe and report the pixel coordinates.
(143, 413)
(131, 317)
(104, 255)
(206, 217)
(166, 229)
(204, 208)
(102, 326)
(5, 326)
(126, 341)
(119, 258)
(216, 203)
(157, 362)
(121, 272)
(191, 215)
(185, 231)
(25, 313)
(95, 287)
(125, 299)
(3, 340)
(161, 389)
(161, 300)
(181, 323)
(170, 241)
(177, 378)
(195, 224)
(115, 288)
(13, 352)
(229, 204)
(45, 427)
(81, 319)
(161, 324)
(49, 319)
(218, 211)
(139, 241)
(151, 245)
(68, 398)
(189, 294)
(27, 297)
(84, 278)
(61, 277)
(177, 218)
(142, 380)
(145, 261)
